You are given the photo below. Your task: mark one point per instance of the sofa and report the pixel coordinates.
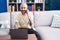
(44, 25)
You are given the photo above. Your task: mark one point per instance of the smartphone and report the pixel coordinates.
(27, 11)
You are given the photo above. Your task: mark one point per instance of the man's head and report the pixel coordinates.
(23, 7)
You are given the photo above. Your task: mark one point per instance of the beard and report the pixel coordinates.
(23, 11)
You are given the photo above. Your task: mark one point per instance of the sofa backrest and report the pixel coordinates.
(44, 18)
(5, 18)
(41, 18)
(13, 17)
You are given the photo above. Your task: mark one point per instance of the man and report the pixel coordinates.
(25, 20)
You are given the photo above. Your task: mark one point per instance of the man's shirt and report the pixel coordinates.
(22, 21)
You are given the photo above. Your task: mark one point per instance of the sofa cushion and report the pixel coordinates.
(56, 21)
(44, 17)
(49, 33)
(4, 31)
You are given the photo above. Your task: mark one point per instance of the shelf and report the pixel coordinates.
(26, 3)
(32, 6)
(12, 3)
(12, 0)
(37, 3)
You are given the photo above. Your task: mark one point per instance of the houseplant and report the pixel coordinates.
(30, 1)
(38, 8)
(12, 1)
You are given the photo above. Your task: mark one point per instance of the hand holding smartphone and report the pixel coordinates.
(27, 11)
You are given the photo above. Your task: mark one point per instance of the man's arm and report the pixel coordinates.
(17, 25)
(32, 20)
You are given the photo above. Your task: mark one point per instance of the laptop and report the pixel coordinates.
(20, 33)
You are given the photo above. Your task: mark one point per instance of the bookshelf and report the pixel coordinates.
(33, 5)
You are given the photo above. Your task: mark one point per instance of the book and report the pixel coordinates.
(36, 1)
(32, 7)
(9, 8)
(18, 7)
(23, 0)
(13, 8)
(41, 1)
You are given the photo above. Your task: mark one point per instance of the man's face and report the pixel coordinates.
(23, 9)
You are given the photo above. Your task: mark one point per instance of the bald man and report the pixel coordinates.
(25, 20)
